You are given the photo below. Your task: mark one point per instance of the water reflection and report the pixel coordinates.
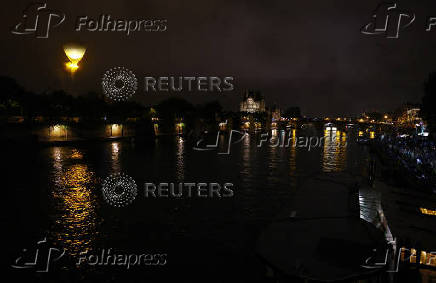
(115, 154)
(74, 223)
(371, 210)
(334, 151)
(75, 220)
(293, 161)
(274, 158)
(180, 159)
(246, 165)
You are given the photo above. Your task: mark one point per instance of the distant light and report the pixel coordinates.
(76, 154)
(72, 66)
(74, 53)
(427, 211)
(58, 131)
(115, 147)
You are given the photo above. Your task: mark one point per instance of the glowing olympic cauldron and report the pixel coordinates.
(74, 53)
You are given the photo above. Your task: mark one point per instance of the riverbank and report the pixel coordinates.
(318, 241)
(401, 171)
(408, 214)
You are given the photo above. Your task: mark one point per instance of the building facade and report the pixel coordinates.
(252, 102)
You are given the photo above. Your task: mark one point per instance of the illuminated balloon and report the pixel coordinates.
(74, 53)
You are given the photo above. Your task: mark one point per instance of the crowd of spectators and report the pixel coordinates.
(416, 154)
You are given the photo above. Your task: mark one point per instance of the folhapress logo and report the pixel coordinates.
(388, 20)
(40, 262)
(37, 20)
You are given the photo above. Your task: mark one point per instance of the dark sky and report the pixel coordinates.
(306, 53)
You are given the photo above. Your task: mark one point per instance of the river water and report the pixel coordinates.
(56, 194)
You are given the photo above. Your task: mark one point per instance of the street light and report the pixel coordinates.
(74, 53)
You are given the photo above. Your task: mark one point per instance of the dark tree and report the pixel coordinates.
(210, 111)
(173, 109)
(293, 112)
(375, 116)
(428, 110)
(11, 95)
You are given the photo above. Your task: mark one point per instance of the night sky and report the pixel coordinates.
(305, 53)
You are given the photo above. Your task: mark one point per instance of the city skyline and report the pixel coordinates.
(311, 55)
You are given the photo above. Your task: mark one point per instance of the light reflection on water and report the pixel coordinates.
(334, 154)
(246, 164)
(76, 224)
(74, 220)
(180, 160)
(115, 152)
(293, 161)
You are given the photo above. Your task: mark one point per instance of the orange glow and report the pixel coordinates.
(58, 131)
(412, 256)
(74, 53)
(427, 211)
(72, 67)
(76, 154)
(115, 130)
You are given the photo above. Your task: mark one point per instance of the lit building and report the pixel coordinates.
(410, 116)
(114, 130)
(413, 115)
(275, 114)
(252, 102)
(179, 126)
(58, 131)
